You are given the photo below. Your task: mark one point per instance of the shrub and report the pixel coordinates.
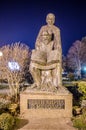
(8, 106)
(14, 109)
(4, 105)
(6, 121)
(77, 110)
(82, 88)
(80, 121)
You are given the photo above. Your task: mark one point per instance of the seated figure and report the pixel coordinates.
(45, 65)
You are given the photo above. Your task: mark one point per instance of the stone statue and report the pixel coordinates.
(46, 58)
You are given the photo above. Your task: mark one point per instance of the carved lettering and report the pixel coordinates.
(46, 104)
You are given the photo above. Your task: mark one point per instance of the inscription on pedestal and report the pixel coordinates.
(46, 104)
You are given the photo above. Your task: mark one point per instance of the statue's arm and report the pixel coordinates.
(57, 40)
(38, 39)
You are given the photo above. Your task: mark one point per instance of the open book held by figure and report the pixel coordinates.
(45, 58)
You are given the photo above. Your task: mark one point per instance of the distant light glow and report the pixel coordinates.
(84, 68)
(13, 65)
(1, 54)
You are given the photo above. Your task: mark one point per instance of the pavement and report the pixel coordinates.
(49, 124)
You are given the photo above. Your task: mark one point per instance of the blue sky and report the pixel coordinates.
(21, 20)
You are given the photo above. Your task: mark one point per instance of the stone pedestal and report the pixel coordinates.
(35, 104)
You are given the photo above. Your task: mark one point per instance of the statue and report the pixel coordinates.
(46, 58)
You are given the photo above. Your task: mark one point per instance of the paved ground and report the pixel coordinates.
(49, 124)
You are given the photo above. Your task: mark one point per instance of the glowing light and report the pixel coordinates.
(13, 66)
(84, 68)
(1, 54)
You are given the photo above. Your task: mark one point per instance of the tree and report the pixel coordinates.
(64, 63)
(14, 63)
(76, 56)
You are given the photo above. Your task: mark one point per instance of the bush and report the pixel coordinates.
(6, 105)
(80, 121)
(14, 109)
(81, 85)
(77, 110)
(6, 121)
(3, 105)
(82, 88)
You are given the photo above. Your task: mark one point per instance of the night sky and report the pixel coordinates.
(21, 20)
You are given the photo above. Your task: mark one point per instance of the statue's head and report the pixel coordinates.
(50, 19)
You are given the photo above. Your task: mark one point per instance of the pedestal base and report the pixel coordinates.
(35, 104)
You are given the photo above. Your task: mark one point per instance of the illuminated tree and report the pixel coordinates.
(14, 63)
(77, 56)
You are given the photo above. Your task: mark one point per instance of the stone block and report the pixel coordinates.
(35, 104)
